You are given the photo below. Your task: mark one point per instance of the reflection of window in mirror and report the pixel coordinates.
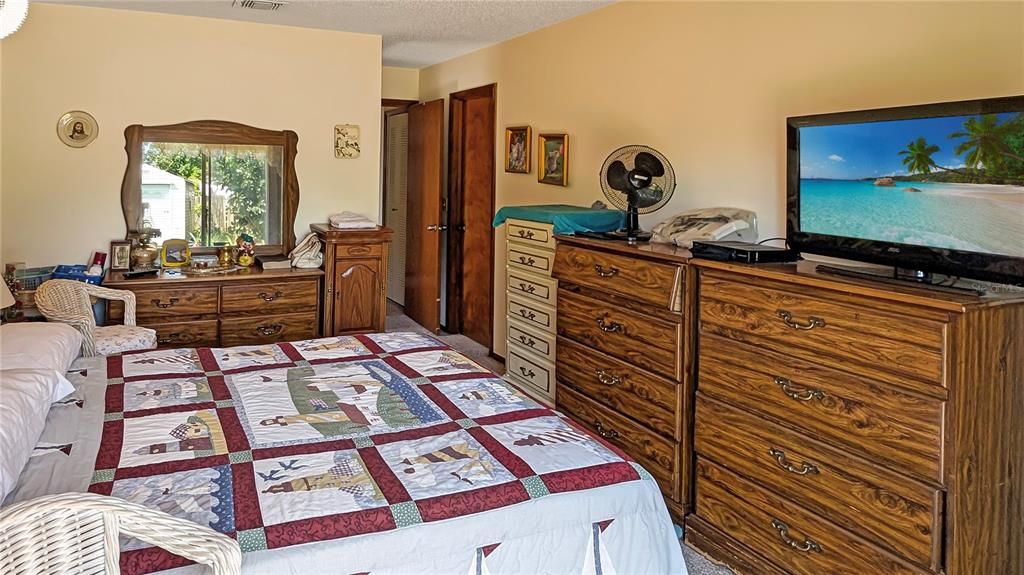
(208, 182)
(212, 193)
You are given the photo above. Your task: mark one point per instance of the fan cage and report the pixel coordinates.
(626, 155)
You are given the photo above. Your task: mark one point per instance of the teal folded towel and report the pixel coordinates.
(567, 220)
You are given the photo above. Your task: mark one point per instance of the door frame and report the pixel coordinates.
(456, 151)
(398, 107)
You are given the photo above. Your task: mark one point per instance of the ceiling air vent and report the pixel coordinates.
(269, 5)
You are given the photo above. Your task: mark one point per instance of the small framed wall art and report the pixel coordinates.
(120, 255)
(346, 141)
(77, 129)
(517, 149)
(553, 159)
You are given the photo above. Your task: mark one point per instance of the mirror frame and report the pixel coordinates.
(210, 132)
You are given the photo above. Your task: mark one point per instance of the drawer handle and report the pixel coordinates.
(358, 250)
(527, 314)
(527, 372)
(528, 341)
(272, 329)
(170, 338)
(270, 296)
(605, 433)
(806, 547)
(527, 261)
(606, 272)
(610, 326)
(787, 317)
(804, 468)
(161, 305)
(608, 378)
(527, 288)
(797, 392)
(528, 234)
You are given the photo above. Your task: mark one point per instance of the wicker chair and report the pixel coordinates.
(69, 302)
(77, 534)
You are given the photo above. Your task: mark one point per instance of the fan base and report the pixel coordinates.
(623, 235)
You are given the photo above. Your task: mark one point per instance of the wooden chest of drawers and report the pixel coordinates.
(249, 307)
(847, 427)
(624, 355)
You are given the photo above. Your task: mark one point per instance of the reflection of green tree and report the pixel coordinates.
(244, 173)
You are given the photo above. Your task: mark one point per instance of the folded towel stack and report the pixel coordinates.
(351, 221)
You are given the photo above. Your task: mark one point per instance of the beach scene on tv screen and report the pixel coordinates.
(953, 182)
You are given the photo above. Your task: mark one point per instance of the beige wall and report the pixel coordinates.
(60, 204)
(400, 83)
(710, 85)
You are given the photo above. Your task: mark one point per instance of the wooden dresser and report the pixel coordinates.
(848, 427)
(252, 306)
(355, 279)
(624, 352)
(532, 300)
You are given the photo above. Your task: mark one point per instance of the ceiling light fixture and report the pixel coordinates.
(268, 5)
(12, 16)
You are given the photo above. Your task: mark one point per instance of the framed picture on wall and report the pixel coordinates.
(553, 159)
(517, 149)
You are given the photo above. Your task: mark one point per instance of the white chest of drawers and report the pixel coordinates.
(531, 300)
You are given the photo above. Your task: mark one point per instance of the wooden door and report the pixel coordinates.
(423, 215)
(357, 296)
(471, 171)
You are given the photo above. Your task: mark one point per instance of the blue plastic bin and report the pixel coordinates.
(76, 273)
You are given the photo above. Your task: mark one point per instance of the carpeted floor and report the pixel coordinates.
(398, 321)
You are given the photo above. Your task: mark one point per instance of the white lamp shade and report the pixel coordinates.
(6, 299)
(12, 16)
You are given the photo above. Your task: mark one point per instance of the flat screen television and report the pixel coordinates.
(935, 188)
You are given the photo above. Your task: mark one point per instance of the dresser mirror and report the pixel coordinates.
(207, 182)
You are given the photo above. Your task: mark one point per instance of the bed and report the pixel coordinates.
(383, 453)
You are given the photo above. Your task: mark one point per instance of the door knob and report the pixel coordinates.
(461, 227)
(436, 228)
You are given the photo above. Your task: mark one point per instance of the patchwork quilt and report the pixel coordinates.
(291, 443)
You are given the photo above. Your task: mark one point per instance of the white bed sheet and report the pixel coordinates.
(565, 533)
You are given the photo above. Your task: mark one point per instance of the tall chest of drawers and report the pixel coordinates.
(624, 354)
(532, 300)
(250, 307)
(847, 427)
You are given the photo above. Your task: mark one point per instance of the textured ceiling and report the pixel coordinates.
(416, 33)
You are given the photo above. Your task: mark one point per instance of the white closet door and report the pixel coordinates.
(395, 201)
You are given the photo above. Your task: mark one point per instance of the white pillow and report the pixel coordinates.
(37, 345)
(25, 399)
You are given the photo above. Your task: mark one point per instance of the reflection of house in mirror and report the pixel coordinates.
(164, 201)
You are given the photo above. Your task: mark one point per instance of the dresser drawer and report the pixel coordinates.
(201, 333)
(529, 258)
(530, 233)
(647, 398)
(658, 455)
(267, 329)
(815, 327)
(526, 366)
(163, 305)
(343, 251)
(646, 281)
(784, 533)
(269, 297)
(541, 343)
(877, 420)
(638, 339)
(903, 514)
(541, 288)
(532, 313)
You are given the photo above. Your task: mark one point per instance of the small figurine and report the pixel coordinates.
(246, 250)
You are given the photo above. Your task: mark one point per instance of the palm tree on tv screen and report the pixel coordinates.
(985, 141)
(917, 157)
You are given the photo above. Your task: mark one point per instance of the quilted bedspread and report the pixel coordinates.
(284, 444)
